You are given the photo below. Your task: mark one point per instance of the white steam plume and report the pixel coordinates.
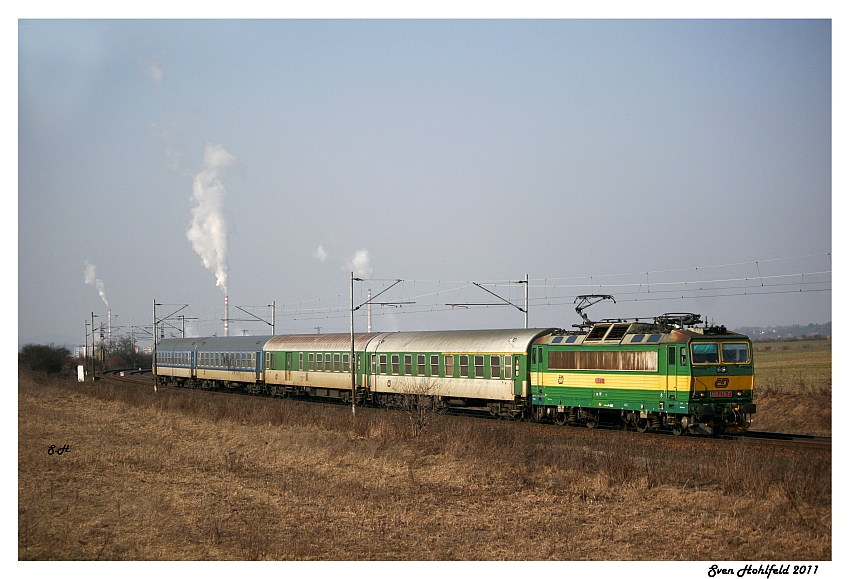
(208, 233)
(320, 254)
(359, 264)
(91, 279)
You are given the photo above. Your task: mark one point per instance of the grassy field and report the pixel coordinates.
(793, 386)
(190, 476)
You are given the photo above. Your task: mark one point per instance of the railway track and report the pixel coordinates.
(774, 438)
(782, 437)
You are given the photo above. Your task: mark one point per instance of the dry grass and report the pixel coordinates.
(183, 475)
(793, 387)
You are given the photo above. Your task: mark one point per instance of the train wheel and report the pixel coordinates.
(560, 419)
(642, 425)
(592, 422)
(678, 430)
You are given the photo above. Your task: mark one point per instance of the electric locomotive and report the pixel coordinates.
(663, 374)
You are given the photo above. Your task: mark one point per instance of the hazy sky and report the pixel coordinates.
(617, 157)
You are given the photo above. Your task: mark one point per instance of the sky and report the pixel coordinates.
(677, 165)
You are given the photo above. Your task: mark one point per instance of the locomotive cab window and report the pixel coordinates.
(705, 353)
(735, 353)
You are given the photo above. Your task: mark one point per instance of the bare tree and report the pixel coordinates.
(420, 400)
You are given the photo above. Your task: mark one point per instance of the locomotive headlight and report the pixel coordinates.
(739, 393)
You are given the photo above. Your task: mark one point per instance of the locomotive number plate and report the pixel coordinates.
(720, 395)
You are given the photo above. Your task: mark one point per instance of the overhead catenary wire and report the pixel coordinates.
(414, 297)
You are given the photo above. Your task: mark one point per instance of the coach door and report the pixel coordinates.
(287, 370)
(536, 370)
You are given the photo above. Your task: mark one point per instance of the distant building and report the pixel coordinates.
(82, 351)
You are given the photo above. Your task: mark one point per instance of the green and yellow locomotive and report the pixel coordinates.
(664, 373)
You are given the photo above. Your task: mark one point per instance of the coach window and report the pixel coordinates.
(508, 367)
(310, 363)
(328, 362)
(494, 367)
(479, 366)
(395, 360)
(375, 364)
(320, 364)
(449, 361)
(464, 366)
(383, 363)
(301, 361)
(345, 360)
(408, 364)
(336, 362)
(435, 365)
(420, 363)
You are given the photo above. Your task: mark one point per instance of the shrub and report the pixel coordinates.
(49, 358)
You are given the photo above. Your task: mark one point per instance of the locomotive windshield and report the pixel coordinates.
(709, 353)
(736, 353)
(705, 354)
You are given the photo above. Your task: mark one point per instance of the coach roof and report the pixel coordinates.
(463, 341)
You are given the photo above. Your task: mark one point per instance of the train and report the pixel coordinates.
(669, 373)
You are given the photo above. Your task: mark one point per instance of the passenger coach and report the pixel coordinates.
(209, 362)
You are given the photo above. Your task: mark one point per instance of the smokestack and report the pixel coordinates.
(369, 313)
(109, 327)
(226, 317)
